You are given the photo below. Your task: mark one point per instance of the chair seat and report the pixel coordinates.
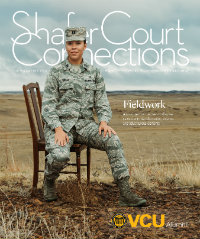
(74, 147)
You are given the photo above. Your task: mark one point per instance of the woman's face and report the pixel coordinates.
(75, 50)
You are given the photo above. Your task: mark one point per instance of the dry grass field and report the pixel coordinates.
(164, 163)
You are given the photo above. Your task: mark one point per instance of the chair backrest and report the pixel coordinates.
(33, 90)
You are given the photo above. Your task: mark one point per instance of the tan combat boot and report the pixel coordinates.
(49, 190)
(128, 198)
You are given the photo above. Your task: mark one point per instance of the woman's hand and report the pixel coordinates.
(107, 129)
(60, 136)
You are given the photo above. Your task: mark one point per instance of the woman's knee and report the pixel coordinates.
(61, 155)
(113, 142)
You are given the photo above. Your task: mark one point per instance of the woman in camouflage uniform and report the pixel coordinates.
(73, 89)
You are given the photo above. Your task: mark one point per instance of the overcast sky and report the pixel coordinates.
(131, 22)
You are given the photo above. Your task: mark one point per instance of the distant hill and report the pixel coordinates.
(147, 92)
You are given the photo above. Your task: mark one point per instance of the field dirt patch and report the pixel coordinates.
(90, 210)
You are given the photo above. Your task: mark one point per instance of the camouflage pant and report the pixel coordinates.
(59, 156)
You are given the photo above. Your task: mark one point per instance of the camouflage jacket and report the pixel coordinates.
(72, 94)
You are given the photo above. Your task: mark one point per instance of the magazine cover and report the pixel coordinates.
(99, 126)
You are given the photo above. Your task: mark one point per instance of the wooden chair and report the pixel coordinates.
(34, 109)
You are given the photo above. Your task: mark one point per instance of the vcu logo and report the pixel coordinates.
(119, 220)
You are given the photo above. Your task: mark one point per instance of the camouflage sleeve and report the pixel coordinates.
(101, 103)
(50, 100)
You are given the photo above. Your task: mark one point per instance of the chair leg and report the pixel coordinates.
(35, 168)
(88, 165)
(46, 153)
(78, 162)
